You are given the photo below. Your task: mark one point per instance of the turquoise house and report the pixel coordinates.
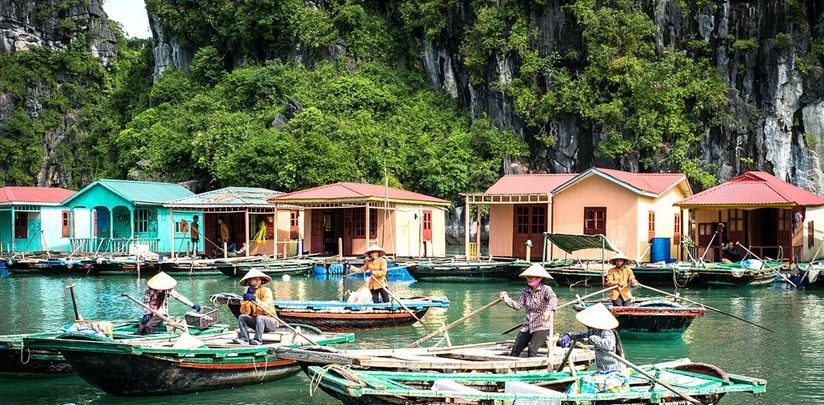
(110, 215)
(32, 219)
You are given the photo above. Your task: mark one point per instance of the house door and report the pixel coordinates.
(529, 224)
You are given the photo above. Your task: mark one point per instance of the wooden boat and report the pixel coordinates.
(651, 319)
(479, 357)
(19, 360)
(704, 382)
(270, 266)
(165, 367)
(122, 265)
(745, 272)
(66, 266)
(467, 270)
(345, 316)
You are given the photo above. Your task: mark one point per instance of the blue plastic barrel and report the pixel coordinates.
(660, 251)
(4, 271)
(319, 270)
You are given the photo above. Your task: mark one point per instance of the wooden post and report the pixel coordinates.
(246, 232)
(340, 248)
(478, 236)
(172, 233)
(367, 225)
(274, 233)
(466, 228)
(225, 252)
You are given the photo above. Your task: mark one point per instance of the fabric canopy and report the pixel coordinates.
(572, 243)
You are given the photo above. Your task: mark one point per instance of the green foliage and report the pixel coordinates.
(207, 66)
(744, 45)
(426, 16)
(781, 40)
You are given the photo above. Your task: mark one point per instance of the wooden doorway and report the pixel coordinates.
(529, 224)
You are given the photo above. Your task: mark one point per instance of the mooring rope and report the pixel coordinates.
(24, 349)
(343, 371)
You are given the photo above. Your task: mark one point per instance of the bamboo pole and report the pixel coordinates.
(577, 299)
(443, 329)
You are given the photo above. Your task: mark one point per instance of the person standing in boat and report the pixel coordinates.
(538, 301)
(622, 276)
(611, 375)
(158, 290)
(376, 263)
(194, 230)
(251, 313)
(224, 235)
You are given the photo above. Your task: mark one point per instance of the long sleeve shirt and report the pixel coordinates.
(604, 341)
(263, 298)
(535, 304)
(159, 300)
(622, 277)
(378, 268)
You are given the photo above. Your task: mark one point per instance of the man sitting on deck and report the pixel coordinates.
(253, 311)
(729, 253)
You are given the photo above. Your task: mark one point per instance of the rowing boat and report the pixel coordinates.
(651, 319)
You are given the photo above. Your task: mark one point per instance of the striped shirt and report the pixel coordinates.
(536, 303)
(604, 341)
(159, 300)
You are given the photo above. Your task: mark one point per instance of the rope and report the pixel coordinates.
(343, 371)
(24, 349)
(265, 368)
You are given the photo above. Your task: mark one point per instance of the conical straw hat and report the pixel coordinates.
(536, 270)
(597, 317)
(161, 281)
(374, 248)
(619, 256)
(255, 273)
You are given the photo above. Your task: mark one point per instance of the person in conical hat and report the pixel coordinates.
(377, 265)
(257, 301)
(602, 334)
(158, 290)
(620, 275)
(538, 301)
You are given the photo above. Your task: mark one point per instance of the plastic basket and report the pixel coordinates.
(203, 319)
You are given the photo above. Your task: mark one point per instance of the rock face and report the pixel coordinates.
(168, 53)
(55, 23)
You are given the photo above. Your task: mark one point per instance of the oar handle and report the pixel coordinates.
(170, 321)
(77, 315)
(272, 315)
(447, 327)
(394, 298)
(651, 377)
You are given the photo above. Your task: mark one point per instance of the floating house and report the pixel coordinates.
(770, 217)
(632, 210)
(32, 219)
(248, 217)
(110, 215)
(345, 218)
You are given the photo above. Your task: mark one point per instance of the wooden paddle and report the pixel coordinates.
(280, 321)
(77, 315)
(169, 321)
(572, 344)
(445, 328)
(392, 296)
(645, 374)
(678, 297)
(577, 299)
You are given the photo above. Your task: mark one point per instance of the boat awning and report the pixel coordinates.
(572, 243)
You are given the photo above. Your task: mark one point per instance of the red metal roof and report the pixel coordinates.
(34, 195)
(528, 183)
(757, 189)
(356, 191)
(655, 183)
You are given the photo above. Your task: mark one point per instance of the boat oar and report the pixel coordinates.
(77, 315)
(678, 297)
(578, 299)
(445, 328)
(648, 375)
(169, 321)
(276, 318)
(572, 344)
(397, 300)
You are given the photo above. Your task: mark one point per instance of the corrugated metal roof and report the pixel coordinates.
(651, 184)
(34, 195)
(756, 189)
(140, 192)
(512, 184)
(355, 191)
(228, 197)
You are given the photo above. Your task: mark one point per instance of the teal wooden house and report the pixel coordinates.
(32, 219)
(110, 215)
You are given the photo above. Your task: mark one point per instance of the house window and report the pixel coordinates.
(595, 220)
(784, 220)
(358, 222)
(538, 220)
(736, 223)
(373, 224)
(810, 235)
(676, 229)
(66, 222)
(650, 225)
(293, 224)
(522, 220)
(141, 220)
(21, 225)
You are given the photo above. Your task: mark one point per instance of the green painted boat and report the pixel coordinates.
(181, 364)
(17, 360)
(650, 318)
(704, 382)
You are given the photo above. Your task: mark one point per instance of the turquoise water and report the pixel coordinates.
(789, 358)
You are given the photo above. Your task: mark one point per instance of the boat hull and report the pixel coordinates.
(571, 276)
(467, 271)
(25, 363)
(342, 322)
(144, 375)
(658, 326)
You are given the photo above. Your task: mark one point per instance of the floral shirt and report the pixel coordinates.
(536, 303)
(604, 341)
(159, 300)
